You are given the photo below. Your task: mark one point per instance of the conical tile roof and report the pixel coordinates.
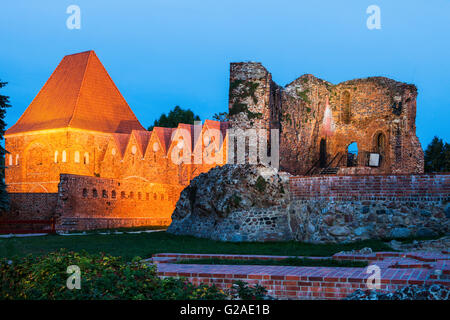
(79, 94)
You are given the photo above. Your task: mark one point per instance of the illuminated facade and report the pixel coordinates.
(80, 125)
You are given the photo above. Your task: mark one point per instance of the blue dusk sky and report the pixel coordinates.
(165, 53)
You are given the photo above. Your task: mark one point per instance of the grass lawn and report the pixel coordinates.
(303, 262)
(145, 244)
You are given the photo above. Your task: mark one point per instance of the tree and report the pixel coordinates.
(4, 199)
(175, 116)
(221, 116)
(437, 156)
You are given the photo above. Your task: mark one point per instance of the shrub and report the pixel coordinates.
(241, 290)
(260, 184)
(102, 277)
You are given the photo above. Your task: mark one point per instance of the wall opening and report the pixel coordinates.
(352, 155)
(346, 112)
(76, 157)
(323, 153)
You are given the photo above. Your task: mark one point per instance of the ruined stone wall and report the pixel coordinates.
(319, 120)
(91, 203)
(254, 103)
(320, 209)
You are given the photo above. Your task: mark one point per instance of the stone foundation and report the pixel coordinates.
(331, 209)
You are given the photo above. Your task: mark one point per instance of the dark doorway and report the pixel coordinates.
(323, 153)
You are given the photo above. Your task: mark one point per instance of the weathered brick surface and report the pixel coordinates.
(425, 187)
(91, 203)
(142, 162)
(32, 206)
(377, 113)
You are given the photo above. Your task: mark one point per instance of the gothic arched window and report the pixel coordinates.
(77, 157)
(346, 112)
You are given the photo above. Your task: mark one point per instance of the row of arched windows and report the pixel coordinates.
(123, 195)
(76, 157)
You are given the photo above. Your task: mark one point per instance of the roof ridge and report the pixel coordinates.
(42, 89)
(79, 89)
(115, 87)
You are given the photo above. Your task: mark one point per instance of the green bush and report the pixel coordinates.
(241, 290)
(102, 277)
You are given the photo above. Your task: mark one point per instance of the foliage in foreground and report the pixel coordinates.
(102, 277)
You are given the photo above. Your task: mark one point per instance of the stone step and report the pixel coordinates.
(329, 170)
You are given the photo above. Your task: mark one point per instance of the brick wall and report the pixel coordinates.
(32, 205)
(397, 270)
(424, 187)
(89, 202)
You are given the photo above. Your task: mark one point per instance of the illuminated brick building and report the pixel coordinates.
(79, 153)
(80, 126)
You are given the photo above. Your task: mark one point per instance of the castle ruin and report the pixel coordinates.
(79, 153)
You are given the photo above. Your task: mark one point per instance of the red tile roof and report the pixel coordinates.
(79, 94)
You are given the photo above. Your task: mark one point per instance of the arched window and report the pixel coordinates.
(346, 112)
(162, 197)
(139, 195)
(64, 156)
(17, 159)
(10, 160)
(76, 157)
(85, 193)
(155, 196)
(380, 143)
(323, 153)
(86, 158)
(105, 194)
(147, 196)
(94, 193)
(56, 157)
(122, 195)
(131, 195)
(113, 194)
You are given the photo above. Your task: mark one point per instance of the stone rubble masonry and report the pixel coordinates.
(330, 209)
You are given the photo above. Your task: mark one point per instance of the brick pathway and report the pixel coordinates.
(398, 269)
